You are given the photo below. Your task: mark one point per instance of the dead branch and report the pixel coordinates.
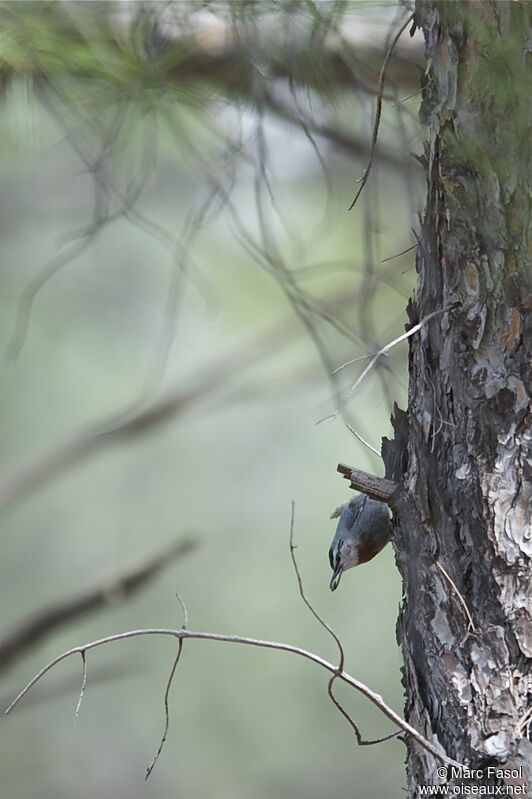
(373, 697)
(375, 487)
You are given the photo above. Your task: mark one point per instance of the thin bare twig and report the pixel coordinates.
(360, 741)
(458, 594)
(356, 360)
(373, 697)
(166, 710)
(358, 735)
(376, 357)
(83, 683)
(105, 673)
(409, 97)
(185, 611)
(398, 254)
(167, 692)
(303, 595)
(378, 110)
(30, 632)
(363, 440)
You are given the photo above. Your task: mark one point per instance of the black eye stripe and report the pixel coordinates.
(335, 557)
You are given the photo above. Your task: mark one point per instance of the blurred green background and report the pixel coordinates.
(121, 321)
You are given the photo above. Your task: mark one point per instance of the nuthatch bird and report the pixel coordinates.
(363, 530)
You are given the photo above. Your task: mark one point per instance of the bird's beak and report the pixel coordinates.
(335, 579)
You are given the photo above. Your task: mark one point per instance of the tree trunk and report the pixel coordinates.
(463, 534)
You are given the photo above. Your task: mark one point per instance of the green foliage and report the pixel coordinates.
(135, 48)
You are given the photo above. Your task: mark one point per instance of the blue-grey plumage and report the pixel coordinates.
(363, 530)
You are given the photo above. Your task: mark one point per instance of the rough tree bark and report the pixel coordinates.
(461, 450)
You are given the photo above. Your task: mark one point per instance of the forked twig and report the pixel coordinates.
(351, 721)
(337, 672)
(375, 358)
(373, 697)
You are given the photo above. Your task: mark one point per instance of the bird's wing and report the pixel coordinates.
(353, 510)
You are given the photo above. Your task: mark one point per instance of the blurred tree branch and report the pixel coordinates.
(133, 421)
(147, 49)
(146, 46)
(138, 419)
(30, 632)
